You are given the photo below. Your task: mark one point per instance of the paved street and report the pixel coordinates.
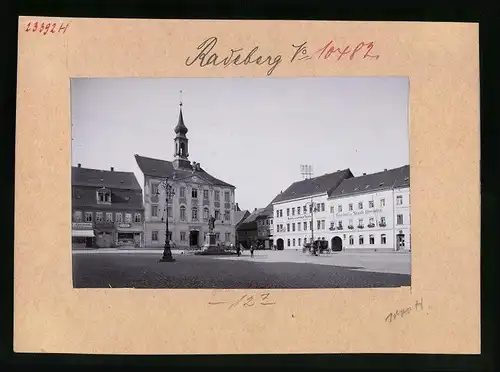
(267, 269)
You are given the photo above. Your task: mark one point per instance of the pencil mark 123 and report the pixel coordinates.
(45, 28)
(247, 300)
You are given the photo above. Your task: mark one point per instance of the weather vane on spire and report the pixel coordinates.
(180, 104)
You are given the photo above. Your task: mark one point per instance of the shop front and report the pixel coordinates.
(129, 235)
(82, 235)
(104, 235)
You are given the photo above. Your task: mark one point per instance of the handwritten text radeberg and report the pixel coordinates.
(235, 57)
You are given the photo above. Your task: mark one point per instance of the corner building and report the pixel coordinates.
(371, 212)
(107, 208)
(301, 212)
(198, 195)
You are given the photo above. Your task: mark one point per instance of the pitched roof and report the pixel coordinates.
(372, 182)
(403, 179)
(254, 215)
(165, 169)
(85, 197)
(99, 178)
(239, 216)
(325, 183)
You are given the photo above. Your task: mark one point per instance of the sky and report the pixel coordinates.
(253, 133)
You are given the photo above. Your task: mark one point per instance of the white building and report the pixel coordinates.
(198, 195)
(402, 232)
(292, 210)
(371, 212)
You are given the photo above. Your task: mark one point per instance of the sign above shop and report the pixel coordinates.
(82, 225)
(358, 212)
(122, 225)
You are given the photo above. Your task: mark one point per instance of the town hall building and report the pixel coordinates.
(197, 196)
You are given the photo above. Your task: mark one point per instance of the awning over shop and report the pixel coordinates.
(82, 233)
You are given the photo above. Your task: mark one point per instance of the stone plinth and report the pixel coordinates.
(211, 247)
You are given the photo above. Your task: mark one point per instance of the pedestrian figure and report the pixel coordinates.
(238, 250)
(251, 250)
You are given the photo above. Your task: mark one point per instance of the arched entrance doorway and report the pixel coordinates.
(280, 244)
(336, 244)
(400, 241)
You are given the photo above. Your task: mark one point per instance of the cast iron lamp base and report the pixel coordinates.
(167, 255)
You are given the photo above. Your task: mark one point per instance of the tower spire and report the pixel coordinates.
(181, 142)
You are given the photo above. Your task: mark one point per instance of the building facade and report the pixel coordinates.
(248, 232)
(197, 196)
(107, 209)
(371, 212)
(402, 220)
(300, 213)
(239, 217)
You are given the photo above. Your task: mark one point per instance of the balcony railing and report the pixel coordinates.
(350, 227)
(371, 225)
(361, 226)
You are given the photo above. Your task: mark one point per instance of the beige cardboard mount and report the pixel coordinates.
(442, 63)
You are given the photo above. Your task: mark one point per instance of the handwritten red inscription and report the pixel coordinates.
(363, 50)
(45, 28)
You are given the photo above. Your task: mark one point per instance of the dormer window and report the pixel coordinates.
(103, 196)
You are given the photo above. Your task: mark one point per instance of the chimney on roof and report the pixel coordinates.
(385, 169)
(364, 174)
(79, 165)
(255, 210)
(112, 169)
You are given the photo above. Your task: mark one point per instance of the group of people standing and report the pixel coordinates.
(239, 249)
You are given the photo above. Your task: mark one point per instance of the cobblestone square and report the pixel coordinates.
(267, 269)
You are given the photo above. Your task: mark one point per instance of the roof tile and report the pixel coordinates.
(99, 178)
(325, 183)
(165, 169)
(386, 179)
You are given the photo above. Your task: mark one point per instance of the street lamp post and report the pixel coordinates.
(313, 207)
(169, 193)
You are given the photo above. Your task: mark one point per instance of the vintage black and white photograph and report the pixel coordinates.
(240, 182)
